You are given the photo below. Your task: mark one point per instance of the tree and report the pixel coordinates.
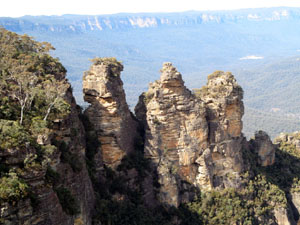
(25, 66)
(54, 91)
(22, 84)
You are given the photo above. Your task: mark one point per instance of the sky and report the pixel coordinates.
(16, 8)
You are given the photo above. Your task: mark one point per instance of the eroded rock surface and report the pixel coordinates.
(264, 148)
(176, 132)
(44, 206)
(193, 141)
(224, 106)
(109, 112)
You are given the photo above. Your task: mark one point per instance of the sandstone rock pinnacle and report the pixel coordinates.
(195, 140)
(109, 112)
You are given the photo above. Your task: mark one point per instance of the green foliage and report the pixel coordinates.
(263, 190)
(25, 70)
(230, 206)
(68, 202)
(38, 125)
(7, 110)
(12, 188)
(286, 169)
(12, 135)
(215, 75)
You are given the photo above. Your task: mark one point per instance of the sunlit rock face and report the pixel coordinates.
(195, 141)
(264, 148)
(108, 111)
(224, 106)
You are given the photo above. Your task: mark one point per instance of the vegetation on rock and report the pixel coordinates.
(33, 92)
(12, 188)
(32, 82)
(115, 66)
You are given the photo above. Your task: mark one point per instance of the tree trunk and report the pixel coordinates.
(22, 114)
(49, 110)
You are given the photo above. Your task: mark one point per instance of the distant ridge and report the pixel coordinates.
(123, 21)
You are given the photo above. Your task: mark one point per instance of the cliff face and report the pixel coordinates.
(78, 24)
(109, 112)
(193, 141)
(45, 206)
(176, 135)
(43, 174)
(264, 148)
(106, 166)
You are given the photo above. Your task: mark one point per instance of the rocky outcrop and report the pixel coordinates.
(281, 216)
(193, 141)
(109, 112)
(44, 206)
(290, 139)
(73, 172)
(224, 106)
(264, 148)
(176, 134)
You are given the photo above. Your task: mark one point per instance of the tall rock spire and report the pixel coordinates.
(194, 140)
(224, 106)
(108, 110)
(176, 134)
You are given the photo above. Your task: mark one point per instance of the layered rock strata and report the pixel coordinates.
(224, 106)
(108, 111)
(193, 141)
(44, 206)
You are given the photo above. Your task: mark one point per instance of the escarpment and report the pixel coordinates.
(59, 180)
(47, 181)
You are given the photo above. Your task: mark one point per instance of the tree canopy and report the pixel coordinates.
(32, 82)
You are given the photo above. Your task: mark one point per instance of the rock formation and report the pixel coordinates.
(224, 106)
(264, 148)
(193, 141)
(109, 112)
(179, 144)
(176, 133)
(49, 210)
(291, 139)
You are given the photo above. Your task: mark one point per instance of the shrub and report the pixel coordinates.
(38, 125)
(12, 135)
(12, 188)
(115, 66)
